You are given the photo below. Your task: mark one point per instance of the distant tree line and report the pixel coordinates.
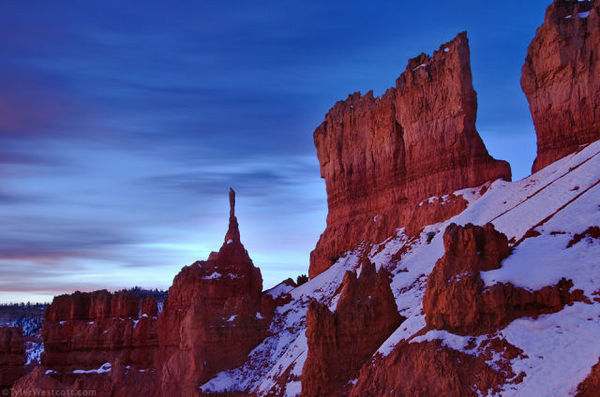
(158, 294)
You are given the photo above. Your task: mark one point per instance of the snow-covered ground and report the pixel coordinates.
(557, 202)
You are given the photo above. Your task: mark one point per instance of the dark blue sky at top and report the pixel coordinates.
(122, 125)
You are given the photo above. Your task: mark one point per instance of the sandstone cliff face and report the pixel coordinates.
(12, 356)
(339, 343)
(456, 298)
(561, 79)
(212, 317)
(86, 330)
(380, 157)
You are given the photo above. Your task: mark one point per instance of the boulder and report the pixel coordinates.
(456, 298)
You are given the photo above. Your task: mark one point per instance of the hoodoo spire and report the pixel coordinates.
(231, 203)
(233, 233)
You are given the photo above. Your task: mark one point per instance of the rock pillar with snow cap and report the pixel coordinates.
(211, 320)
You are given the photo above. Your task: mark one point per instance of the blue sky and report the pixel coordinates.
(122, 127)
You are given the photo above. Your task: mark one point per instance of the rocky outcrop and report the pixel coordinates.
(337, 346)
(456, 298)
(381, 157)
(12, 356)
(561, 79)
(591, 233)
(84, 330)
(212, 317)
(431, 369)
(590, 387)
(118, 381)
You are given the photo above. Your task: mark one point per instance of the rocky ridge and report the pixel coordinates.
(82, 331)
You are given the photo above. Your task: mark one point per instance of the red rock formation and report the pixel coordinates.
(592, 232)
(211, 319)
(86, 330)
(561, 79)
(455, 298)
(337, 346)
(380, 157)
(590, 387)
(214, 315)
(12, 356)
(120, 381)
(149, 307)
(429, 369)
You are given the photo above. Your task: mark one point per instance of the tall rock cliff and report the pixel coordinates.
(212, 317)
(561, 79)
(381, 157)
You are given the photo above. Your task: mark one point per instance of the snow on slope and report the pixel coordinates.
(558, 202)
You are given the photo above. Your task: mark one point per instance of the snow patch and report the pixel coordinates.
(33, 352)
(279, 290)
(104, 368)
(213, 276)
(293, 389)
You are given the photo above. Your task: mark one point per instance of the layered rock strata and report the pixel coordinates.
(381, 157)
(561, 79)
(84, 330)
